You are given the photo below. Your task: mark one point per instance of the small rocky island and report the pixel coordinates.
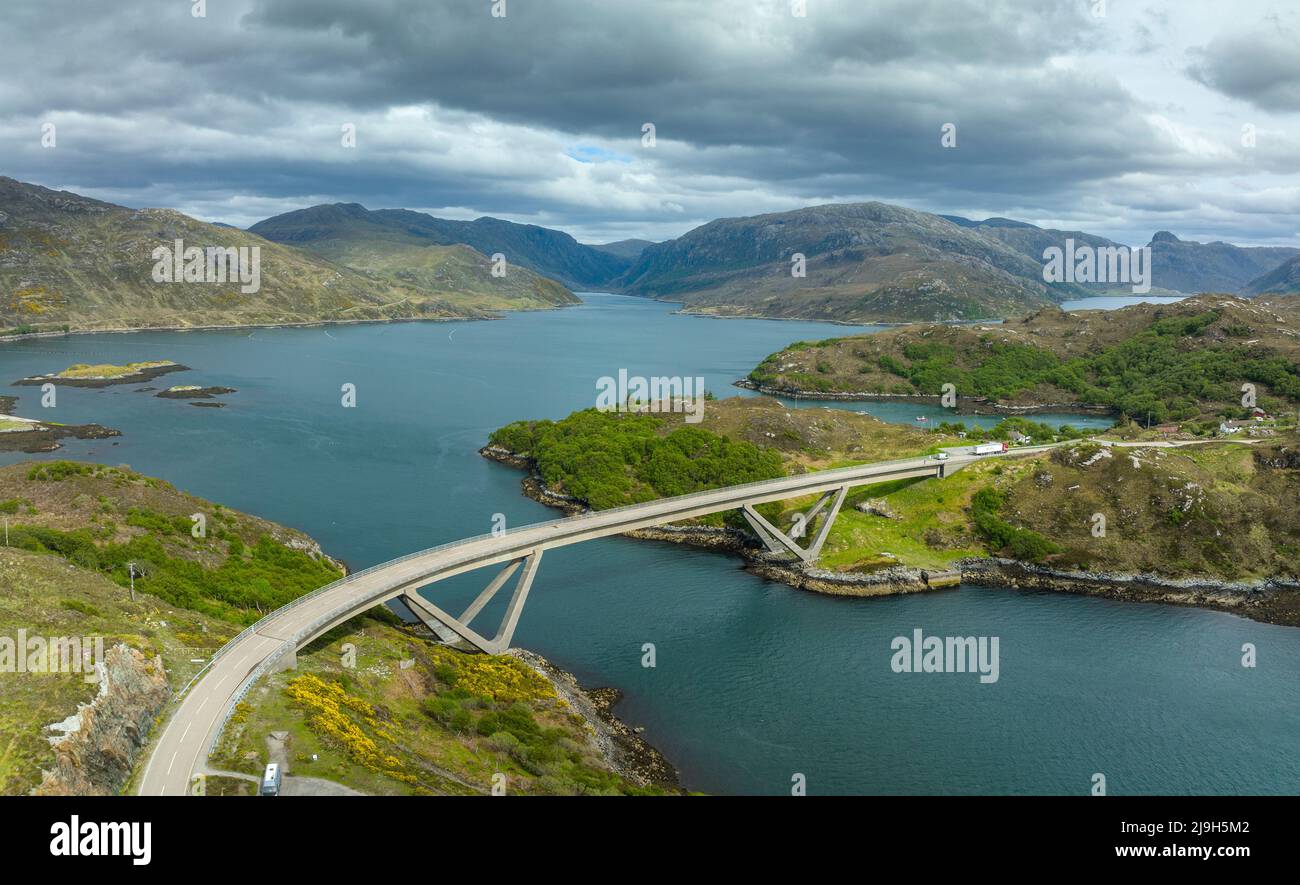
(33, 437)
(104, 375)
(202, 396)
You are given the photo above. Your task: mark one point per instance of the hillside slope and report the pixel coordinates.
(865, 262)
(66, 260)
(341, 229)
(1192, 267)
(72, 529)
(1282, 280)
(1158, 362)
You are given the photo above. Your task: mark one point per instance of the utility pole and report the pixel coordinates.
(130, 570)
(6, 531)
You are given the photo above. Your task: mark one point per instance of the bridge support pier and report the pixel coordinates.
(451, 629)
(779, 542)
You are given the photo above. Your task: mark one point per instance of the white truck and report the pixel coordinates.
(991, 448)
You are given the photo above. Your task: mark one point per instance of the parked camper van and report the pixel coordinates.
(271, 781)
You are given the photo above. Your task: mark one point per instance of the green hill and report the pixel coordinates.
(342, 228)
(67, 260)
(865, 262)
(1180, 361)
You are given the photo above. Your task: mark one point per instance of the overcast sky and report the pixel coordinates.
(1119, 124)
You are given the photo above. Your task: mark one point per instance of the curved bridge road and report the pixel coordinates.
(193, 728)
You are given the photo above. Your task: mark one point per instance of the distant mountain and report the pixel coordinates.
(340, 228)
(1031, 241)
(70, 260)
(629, 249)
(1282, 280)
(864, 262)
(1189, 266)
(1177, 265)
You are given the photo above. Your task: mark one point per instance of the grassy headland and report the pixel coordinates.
(1182, 362)
(1217, 514)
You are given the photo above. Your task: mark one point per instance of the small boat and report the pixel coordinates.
(922, 418)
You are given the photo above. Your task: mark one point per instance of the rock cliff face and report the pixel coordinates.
(96, 746)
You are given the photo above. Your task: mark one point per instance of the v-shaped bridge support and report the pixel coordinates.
(451, 629)
(779, 542)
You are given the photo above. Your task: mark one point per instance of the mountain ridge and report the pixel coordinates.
(548, 252)
(68, 261)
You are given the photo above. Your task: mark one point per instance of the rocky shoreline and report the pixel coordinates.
(622, 746)
(1269, 600)
(1273, 600)
(965, 405)
(291, 324)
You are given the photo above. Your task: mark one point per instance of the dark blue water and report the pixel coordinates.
(754, 681)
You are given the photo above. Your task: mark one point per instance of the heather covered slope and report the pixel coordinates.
(341, 229)
(1160, 362)
(448, 271)
(865, 262)
(66, 260)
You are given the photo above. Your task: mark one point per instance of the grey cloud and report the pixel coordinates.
(1261, 66)
(755, 110)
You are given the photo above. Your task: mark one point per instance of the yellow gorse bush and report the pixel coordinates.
(330, 712)
(502, 679)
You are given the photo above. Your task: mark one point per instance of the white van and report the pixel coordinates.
(271, 781)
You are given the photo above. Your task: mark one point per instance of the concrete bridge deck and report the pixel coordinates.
(271, 643)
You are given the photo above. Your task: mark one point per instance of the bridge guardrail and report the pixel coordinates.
(254, 627)
(262, 668)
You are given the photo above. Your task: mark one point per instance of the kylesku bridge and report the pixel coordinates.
(272, 643)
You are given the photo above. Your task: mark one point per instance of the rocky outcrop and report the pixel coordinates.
(878, 507)
(882, 582)
(96, 746)
(1281, 458)
(620, 745)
